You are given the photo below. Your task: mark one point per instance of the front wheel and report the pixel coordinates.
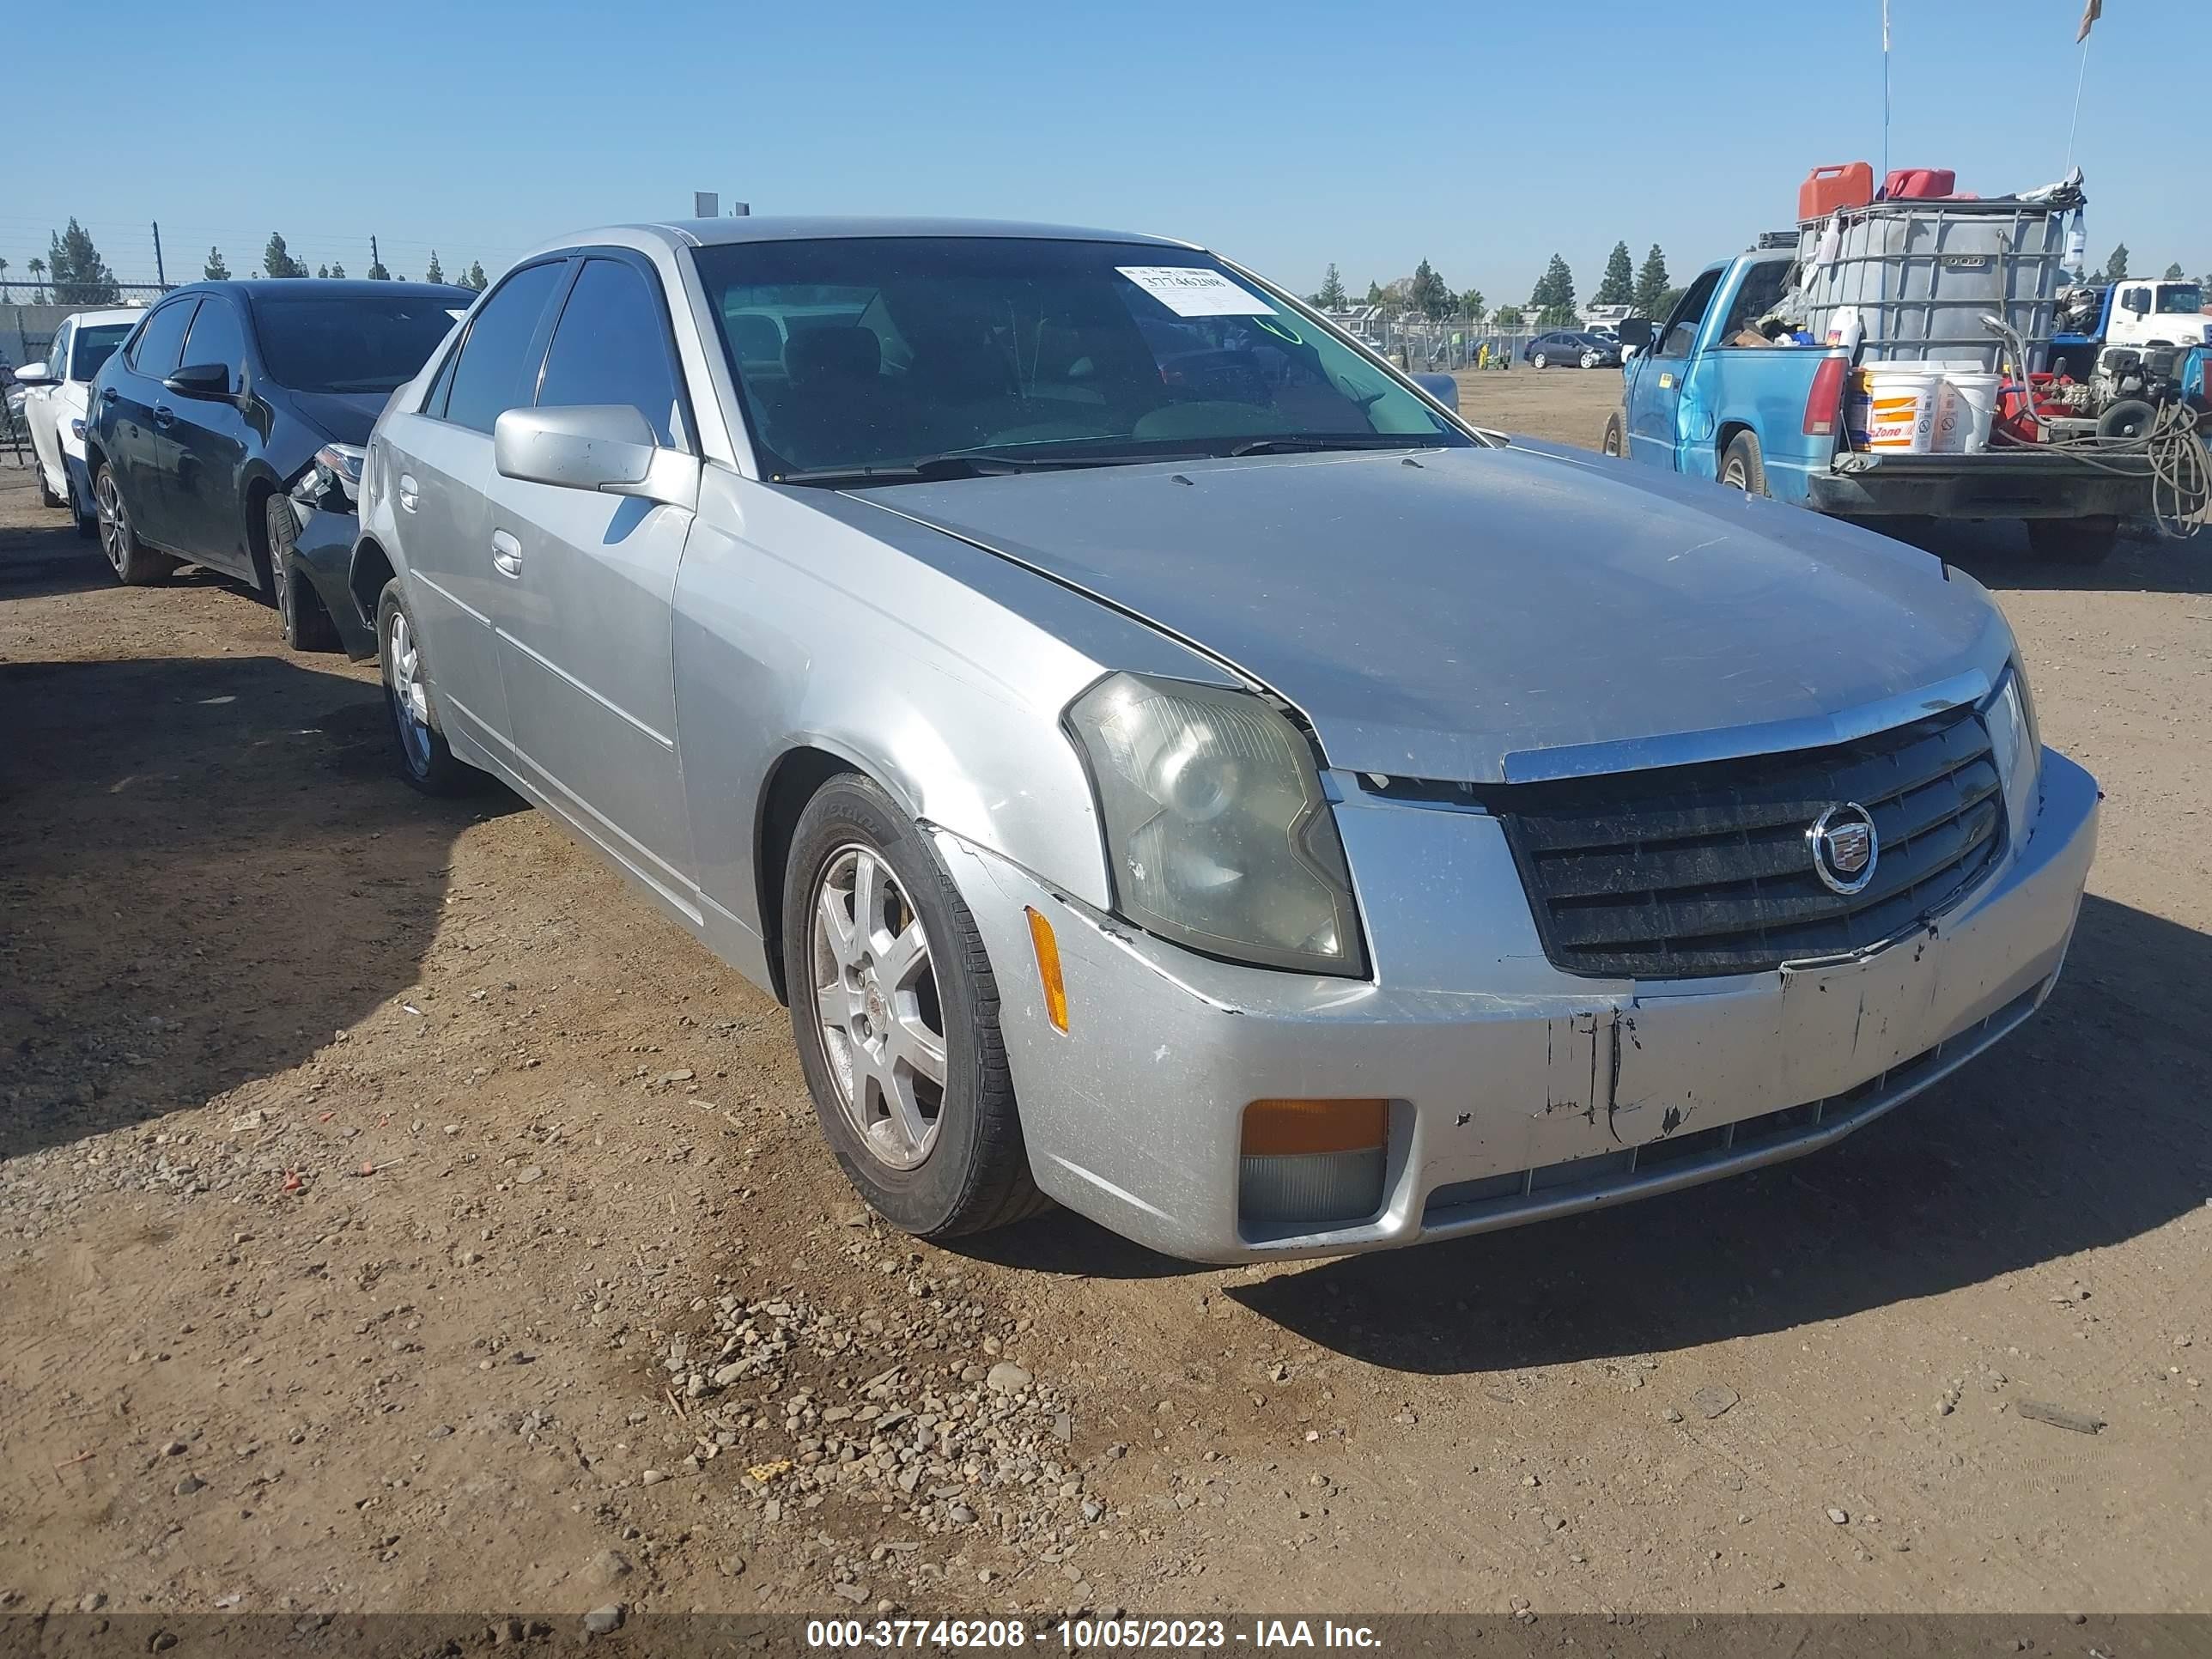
(1743, 466)
(896, 1011)
(425, 759)
(1615, 441)
(2073, 541)
(1590, 360)
(135, 563)
(301, 614)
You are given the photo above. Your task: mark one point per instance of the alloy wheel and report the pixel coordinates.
(410, 698)
(877, 1007)
(114, 521)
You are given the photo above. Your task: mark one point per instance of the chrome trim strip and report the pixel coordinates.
(1735, 742)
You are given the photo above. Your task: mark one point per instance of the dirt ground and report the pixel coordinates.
(396, 1213)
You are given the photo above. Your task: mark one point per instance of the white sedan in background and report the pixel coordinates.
(57, 393)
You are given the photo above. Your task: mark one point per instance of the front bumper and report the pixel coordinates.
(322, 550)
(1517, 1093)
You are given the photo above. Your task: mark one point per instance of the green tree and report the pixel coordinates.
(1428, 295)
(1618, 287)
(1651, 284)
(434, 272)
(79, 275)
(2116, 268)
(1509, 317)
(277, 261)
(337, 271)
(377, 273)
(37, 281)
(1474, 305)
(323, 271)
(1552, 299)
(477, 279)
(2173, 273)
(1666, 302)
(1332, 296)
(215, 270)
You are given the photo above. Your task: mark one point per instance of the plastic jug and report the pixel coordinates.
(1919, 184)
(1847, 328)
(1845, 185)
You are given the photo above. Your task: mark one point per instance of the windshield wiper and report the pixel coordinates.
(928, 468)
(1300, 441)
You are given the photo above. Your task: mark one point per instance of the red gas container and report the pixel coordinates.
(1919, 184)
(1846, 184)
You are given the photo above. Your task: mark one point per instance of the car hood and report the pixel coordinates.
(344, 417)
(1497, 614)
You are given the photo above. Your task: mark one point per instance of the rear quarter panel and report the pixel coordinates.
(1762, 389)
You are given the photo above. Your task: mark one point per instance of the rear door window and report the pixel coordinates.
(498, 367)
(160, 348)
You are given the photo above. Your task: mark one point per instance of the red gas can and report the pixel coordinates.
(1919, 184)
(1846, 184)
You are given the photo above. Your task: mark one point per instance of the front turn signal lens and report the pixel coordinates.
(1275, 1128)
(1047, 961)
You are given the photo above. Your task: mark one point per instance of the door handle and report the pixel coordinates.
(408, 493)
(506, 553)
(164, 416)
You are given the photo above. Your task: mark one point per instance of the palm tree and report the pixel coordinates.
(39, 282)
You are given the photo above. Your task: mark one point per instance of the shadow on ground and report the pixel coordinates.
(207, 867)
(1994, 553)
(2085, 1129)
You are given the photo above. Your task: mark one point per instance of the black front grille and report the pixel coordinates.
(1690, 871)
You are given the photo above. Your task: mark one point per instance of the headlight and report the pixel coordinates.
(334, 478)
(2018, 746)
(1217, 830)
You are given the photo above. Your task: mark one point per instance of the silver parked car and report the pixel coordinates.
(1170, 765)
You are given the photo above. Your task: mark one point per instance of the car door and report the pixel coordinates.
(588, 581)
(44, 410)
(1655, 395)
(207, 506)
(438, 468)
(137, 412)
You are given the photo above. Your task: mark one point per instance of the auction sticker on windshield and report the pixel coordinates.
(1191, 291)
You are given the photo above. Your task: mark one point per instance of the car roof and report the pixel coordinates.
(265, 287)
(106, 314)
(792, 228)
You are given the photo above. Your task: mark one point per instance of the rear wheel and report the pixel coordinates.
(1539, 359)
(46, 496)
(1615, 441)
(87, 520)
(1743, 465)
(300, 612)
(896, 1012)
(425, 759)
(135, 563)
(2073, 541)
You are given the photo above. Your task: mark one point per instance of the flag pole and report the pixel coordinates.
(1885, 88)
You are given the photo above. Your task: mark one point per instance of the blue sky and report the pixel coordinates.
(1286, 135)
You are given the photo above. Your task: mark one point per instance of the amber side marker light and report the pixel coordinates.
(1047, 958)
(1275, 1127)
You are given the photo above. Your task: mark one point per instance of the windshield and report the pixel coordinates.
(95, 345)
(2176, 299)
(348, 343)
(882, 352)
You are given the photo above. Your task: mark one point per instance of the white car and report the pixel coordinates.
(56, 394)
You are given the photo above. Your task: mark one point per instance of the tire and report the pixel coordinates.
(1615, 441)
(306, 626)
(1590, 360)
(135, 564)
(1539, 361)
(86, 520)
(1743, 465)
(46, 496)
(935, 1156)
(426, 761)
(2073, 541)
(2130, 418)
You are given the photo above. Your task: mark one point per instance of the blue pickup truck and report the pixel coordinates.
(1771, 420)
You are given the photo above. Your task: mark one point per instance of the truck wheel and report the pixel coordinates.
(1615, 441)
(2073, 541)
(1743, 466)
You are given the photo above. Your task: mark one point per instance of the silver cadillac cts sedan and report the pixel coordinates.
(1170, 765)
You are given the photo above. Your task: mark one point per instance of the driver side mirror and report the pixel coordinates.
(1635, 333)
(207, 380)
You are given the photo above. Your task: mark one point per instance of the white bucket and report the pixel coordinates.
(1964, 411)
(1892, 408)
